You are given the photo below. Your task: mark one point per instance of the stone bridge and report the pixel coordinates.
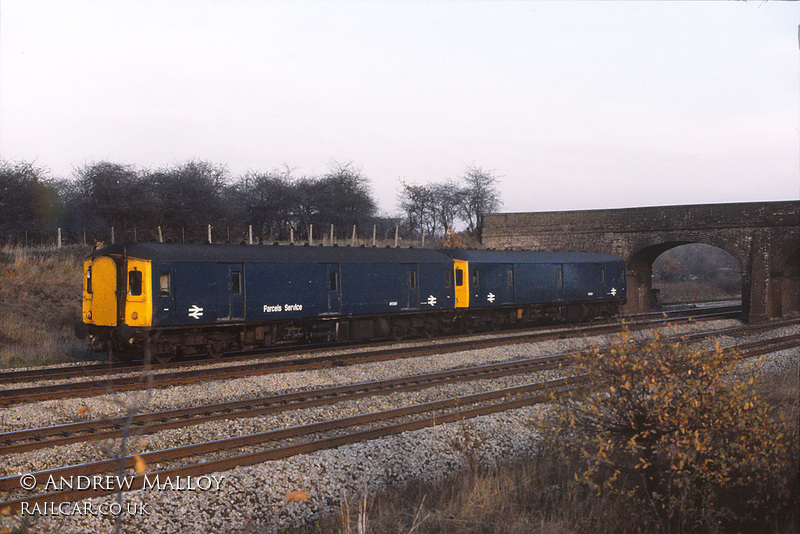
(763, 236)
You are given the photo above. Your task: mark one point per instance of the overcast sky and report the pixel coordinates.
(575, 105)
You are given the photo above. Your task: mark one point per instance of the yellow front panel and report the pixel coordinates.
(139, 300)
(462, 289)
(102, 302)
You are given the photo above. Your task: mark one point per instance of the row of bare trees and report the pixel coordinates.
(182, 200)
(434, 208)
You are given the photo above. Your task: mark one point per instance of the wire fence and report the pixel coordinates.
(313, 236)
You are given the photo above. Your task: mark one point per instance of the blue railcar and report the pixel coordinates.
(168, 300)
(557, 285)
(209, 298)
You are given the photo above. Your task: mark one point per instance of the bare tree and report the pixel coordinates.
(480, 196)
(415, 202)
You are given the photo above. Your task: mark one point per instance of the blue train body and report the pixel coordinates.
(172, 299)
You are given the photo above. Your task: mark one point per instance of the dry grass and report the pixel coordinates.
(535, 495)
(40, 300)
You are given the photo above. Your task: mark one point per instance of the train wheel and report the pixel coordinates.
(398, 331)
(214, 349)
(430, 329)
(164, 357)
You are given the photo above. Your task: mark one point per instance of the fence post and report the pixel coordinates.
(423, 238)
(112, 235)
(160, 235)
(59, 239)
(84, 237)
(291, 236)
(331, 235)
(310, 234)
(374, 233)
(250, 234)
(209, 234)
(396, 234)
(353, 241)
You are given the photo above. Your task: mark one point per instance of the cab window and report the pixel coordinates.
(135, 283)
(459, 277)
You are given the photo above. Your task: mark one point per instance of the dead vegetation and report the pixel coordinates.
(40, 300)
(574, 488)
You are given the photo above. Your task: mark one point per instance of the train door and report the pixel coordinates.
(100, 292)
(165, 299)
(235, 293)
(507, 284)
(413, 287)
(334, 289)
(461, 271)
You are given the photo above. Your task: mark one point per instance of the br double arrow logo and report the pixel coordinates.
(195, 311)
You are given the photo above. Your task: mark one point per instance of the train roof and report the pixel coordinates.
(529, 256)
(270, 253)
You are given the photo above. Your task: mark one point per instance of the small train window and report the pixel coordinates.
(560, 275)
(333, 280)
(164, 285)
(236, 283)
(89, 280)
(459, 277)
(412, 279)
(134, 283)
(603, 274)
(475, 278)
(510, 278)
(448, 278)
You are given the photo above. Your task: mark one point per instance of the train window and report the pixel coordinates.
(412, 279)
(89, 280)
(333, 280)
(448, 277)
(459, 277)
(475, 278)
(134, 283)
(603, 274)
(236, 283)
(560, 275)
(510, 278)
(163, 285)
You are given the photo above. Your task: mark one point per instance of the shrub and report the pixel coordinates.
(670, 430)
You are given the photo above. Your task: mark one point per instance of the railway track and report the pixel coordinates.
(340, 431)
(45, 437)
(110, 368)
(160, 379)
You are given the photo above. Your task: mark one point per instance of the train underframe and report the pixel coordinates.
(170, 343)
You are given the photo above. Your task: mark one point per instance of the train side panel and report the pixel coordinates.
(281, 291)
(538, 283)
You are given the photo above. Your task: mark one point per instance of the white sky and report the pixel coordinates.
(575, 105)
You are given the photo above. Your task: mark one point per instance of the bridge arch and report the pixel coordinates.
(641, 295)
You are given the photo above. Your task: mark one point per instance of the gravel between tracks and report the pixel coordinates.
(258, 498)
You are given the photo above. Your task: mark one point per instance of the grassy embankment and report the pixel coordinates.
(40, 300)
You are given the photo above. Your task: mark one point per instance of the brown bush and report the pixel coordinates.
(672, 432)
